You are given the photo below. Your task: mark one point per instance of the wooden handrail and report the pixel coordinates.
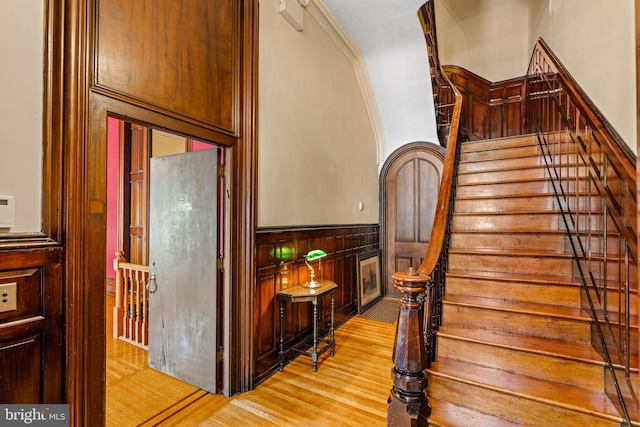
(414, 345)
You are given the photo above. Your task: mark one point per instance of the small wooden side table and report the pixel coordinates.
(302, 294)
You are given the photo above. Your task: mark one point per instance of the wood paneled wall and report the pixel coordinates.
(31, 335)
(280, 265)
(489, 109)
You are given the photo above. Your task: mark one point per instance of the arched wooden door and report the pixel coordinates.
(409, 185)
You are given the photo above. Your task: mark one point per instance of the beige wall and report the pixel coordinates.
(317, 150)
(486, 37)
(21, 65)
(595, 40)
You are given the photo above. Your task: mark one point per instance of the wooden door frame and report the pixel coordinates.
(83, 209)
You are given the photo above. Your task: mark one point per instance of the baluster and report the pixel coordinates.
(117, 309)
(130, 307)
(407, 404)
(136, 308)
(145, 315)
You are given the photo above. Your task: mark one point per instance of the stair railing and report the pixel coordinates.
(419, 315)
(131, 309)
(594, 177)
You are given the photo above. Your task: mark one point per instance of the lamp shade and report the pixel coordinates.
(315, 254)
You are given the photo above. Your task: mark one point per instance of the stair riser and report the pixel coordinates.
(504, 189)
(506, 204)
(500, 176)
(549, 266)
(515, 291)
(506, 322)
(506, 222)
(510, 242)
(496, 144)
(509, 163)
(613, 274)
(566, 371)
(568, 186)
(504, 153)
(527, 412)
(523, 174)
(617, 331)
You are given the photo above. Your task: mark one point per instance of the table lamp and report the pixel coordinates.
(313, 255)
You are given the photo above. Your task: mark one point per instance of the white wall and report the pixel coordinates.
(486, 37)
(595, 41)
(317, 156)
(21, 91)
(389, 35)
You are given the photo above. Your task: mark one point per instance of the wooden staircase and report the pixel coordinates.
(514, 345)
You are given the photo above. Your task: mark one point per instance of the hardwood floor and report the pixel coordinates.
(349, 389)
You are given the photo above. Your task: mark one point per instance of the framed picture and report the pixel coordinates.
(368, 273)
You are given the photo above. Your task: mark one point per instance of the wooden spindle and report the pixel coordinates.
(408, 404)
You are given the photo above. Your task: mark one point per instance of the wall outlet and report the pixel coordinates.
(8, 297)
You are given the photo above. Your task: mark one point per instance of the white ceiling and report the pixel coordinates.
(389, 36)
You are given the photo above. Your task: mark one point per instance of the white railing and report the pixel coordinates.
(130, 313)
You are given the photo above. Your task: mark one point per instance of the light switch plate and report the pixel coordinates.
(8, 297)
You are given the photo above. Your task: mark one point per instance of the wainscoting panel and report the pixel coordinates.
(280, 263)
(31, 335)
(489, 109)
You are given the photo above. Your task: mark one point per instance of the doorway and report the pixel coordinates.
(409, 184)
(131, 147)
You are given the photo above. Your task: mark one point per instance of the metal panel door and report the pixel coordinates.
(183, 246)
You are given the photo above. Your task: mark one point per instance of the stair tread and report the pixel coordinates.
(504, 181)
(551, 310)
(532, 344)
(445, 414)
(554, 393)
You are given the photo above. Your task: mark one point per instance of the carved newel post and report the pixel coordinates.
(408, 404)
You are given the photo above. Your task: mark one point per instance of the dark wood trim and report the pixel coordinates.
(84, 388)
(84, 189)
(636, 303)
(53, 128)
(243, 206)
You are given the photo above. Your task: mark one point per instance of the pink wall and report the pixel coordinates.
(112, 193)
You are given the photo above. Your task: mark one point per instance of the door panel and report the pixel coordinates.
(183, 244)
(411, 184)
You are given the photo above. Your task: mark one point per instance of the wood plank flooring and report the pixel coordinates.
(349, 389)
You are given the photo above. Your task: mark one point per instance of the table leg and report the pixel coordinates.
(281, 352)
(314, 354)
(332, 340)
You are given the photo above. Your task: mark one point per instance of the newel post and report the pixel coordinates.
(118, 310)
(407, 404)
